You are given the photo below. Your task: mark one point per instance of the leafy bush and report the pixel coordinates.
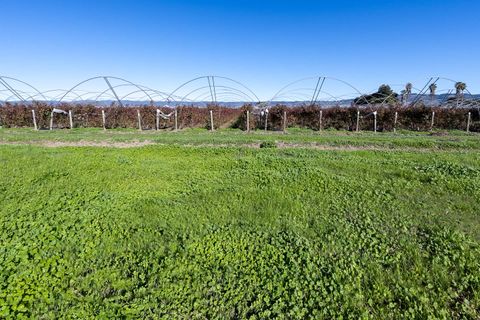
(268, 144)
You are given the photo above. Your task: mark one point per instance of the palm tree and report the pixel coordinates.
(433, 88)
(460, 88)
(408, 92)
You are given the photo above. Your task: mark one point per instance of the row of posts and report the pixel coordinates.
(212, 127)
(357, 127)
(139, 118)
(157, 120)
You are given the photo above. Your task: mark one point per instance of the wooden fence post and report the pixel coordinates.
(211, 121)
(266, 120)
(34, 120)
(157, 120)
(433, 120)
(70, 118)
(248, 121)
(358, 121)
(320, 121)
(139, 120)
(51, 121)
(103, 120)
(176, 119)
(374, 121)
(468, 121)
(395, 122)
(284, 121)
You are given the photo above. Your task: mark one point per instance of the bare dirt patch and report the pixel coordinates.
(82, 143)
(279, 145)
(439, 133)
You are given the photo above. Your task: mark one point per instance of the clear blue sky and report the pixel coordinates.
(265, 44)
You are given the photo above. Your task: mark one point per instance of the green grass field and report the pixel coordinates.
(206, 225)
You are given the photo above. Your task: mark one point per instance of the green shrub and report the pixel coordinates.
(268, 144)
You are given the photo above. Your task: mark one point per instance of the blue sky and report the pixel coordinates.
(264, 44)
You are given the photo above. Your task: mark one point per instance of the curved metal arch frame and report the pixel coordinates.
(29, 96)
(12, 95)
(317, 78)
(449, 91)
(335, 98)
(184, 98)
(420, 91)
(230, 90)
(210, 85)
(454, 81)
(95, 95)
(155, 93)
(144, 89)
(391, 95)
(219, 94)
(89, 97)
(79, 97)
(103, 77)
(18, 80)
(54, 98)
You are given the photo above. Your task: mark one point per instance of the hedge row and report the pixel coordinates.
(411, 118)
(341, 118)
(115, 117)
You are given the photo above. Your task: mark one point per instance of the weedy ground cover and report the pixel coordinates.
(443, 140)
(171, 231)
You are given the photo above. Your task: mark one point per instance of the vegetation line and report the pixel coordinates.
(280, 145)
